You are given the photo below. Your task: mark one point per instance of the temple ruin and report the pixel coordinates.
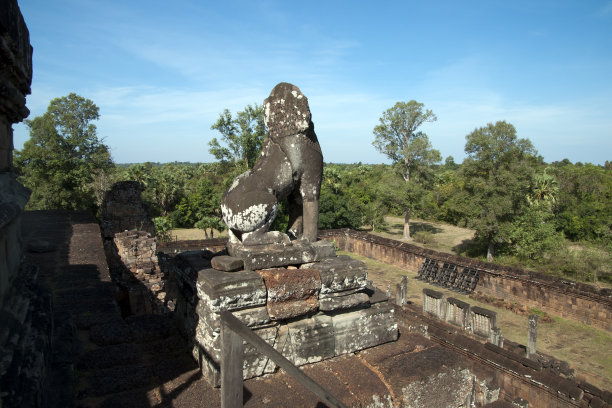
(103, 315)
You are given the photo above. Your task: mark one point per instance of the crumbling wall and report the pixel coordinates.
(572, 300)
(131, 250)
(137, 271)
(122, 210)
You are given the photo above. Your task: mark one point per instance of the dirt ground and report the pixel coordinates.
(445, 237)
(188, 234)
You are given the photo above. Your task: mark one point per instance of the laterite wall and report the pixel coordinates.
(571, 300)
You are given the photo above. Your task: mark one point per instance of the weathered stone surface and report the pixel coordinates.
(149, 327)
(340, 273)
(377, 295)
(26, 329)
(290, 166)
(110, 333)
(230, 291)
(109, 356)
(364, 328)
(208, 352)
(323, 249)
(307, 340)
(279, 304)
(275, 255)
(209, 321)
(116, 379)
(434, 303)
(184, 269)
(341, 300)
(421, 381)
(255, 316)
(291, 292)
(12, 202)
(227, 263)
(457, 312)
(482, 321)
(40, 246)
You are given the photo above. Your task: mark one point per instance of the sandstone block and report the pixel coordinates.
(322, 249)
(341, 300)
(208, 353)
(377, 295)
(252, 317)
(230, 291)
(291, 292)
(307, 340)
(364, 328)
(227, 263)
(340, 273)
(281, 254)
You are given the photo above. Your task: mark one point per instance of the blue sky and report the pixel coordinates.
(162, 71)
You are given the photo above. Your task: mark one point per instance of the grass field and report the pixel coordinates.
(588, 350)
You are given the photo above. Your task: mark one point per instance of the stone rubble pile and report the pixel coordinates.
(131, 250)
(308, 311)
(140, 273)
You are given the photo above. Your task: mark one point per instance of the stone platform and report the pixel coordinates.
(305, 301)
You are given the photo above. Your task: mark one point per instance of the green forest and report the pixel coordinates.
(552, 217)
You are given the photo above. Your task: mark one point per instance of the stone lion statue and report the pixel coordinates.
(290, 167)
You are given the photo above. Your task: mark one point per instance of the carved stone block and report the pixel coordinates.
(230, 290)
(291, 292)
(342, 300)
(276, 255)
(341, 273)
(227, 263)
(255, 364)
(364, 328)
(308, 340)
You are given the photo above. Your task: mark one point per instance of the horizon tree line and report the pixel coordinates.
(517, 204)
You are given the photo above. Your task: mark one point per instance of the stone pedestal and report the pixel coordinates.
(309, 304)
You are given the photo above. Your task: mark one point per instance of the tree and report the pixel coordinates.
(533, 234)
(544, 190)
(243, 136)
(335, 208)
(497, 174)
(397, 138)
(63, 155)
(582, 209)
(165, 188)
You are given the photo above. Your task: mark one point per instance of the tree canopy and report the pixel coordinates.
(241, 136)
(497, 174)
(63, 155)
(397, 137)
